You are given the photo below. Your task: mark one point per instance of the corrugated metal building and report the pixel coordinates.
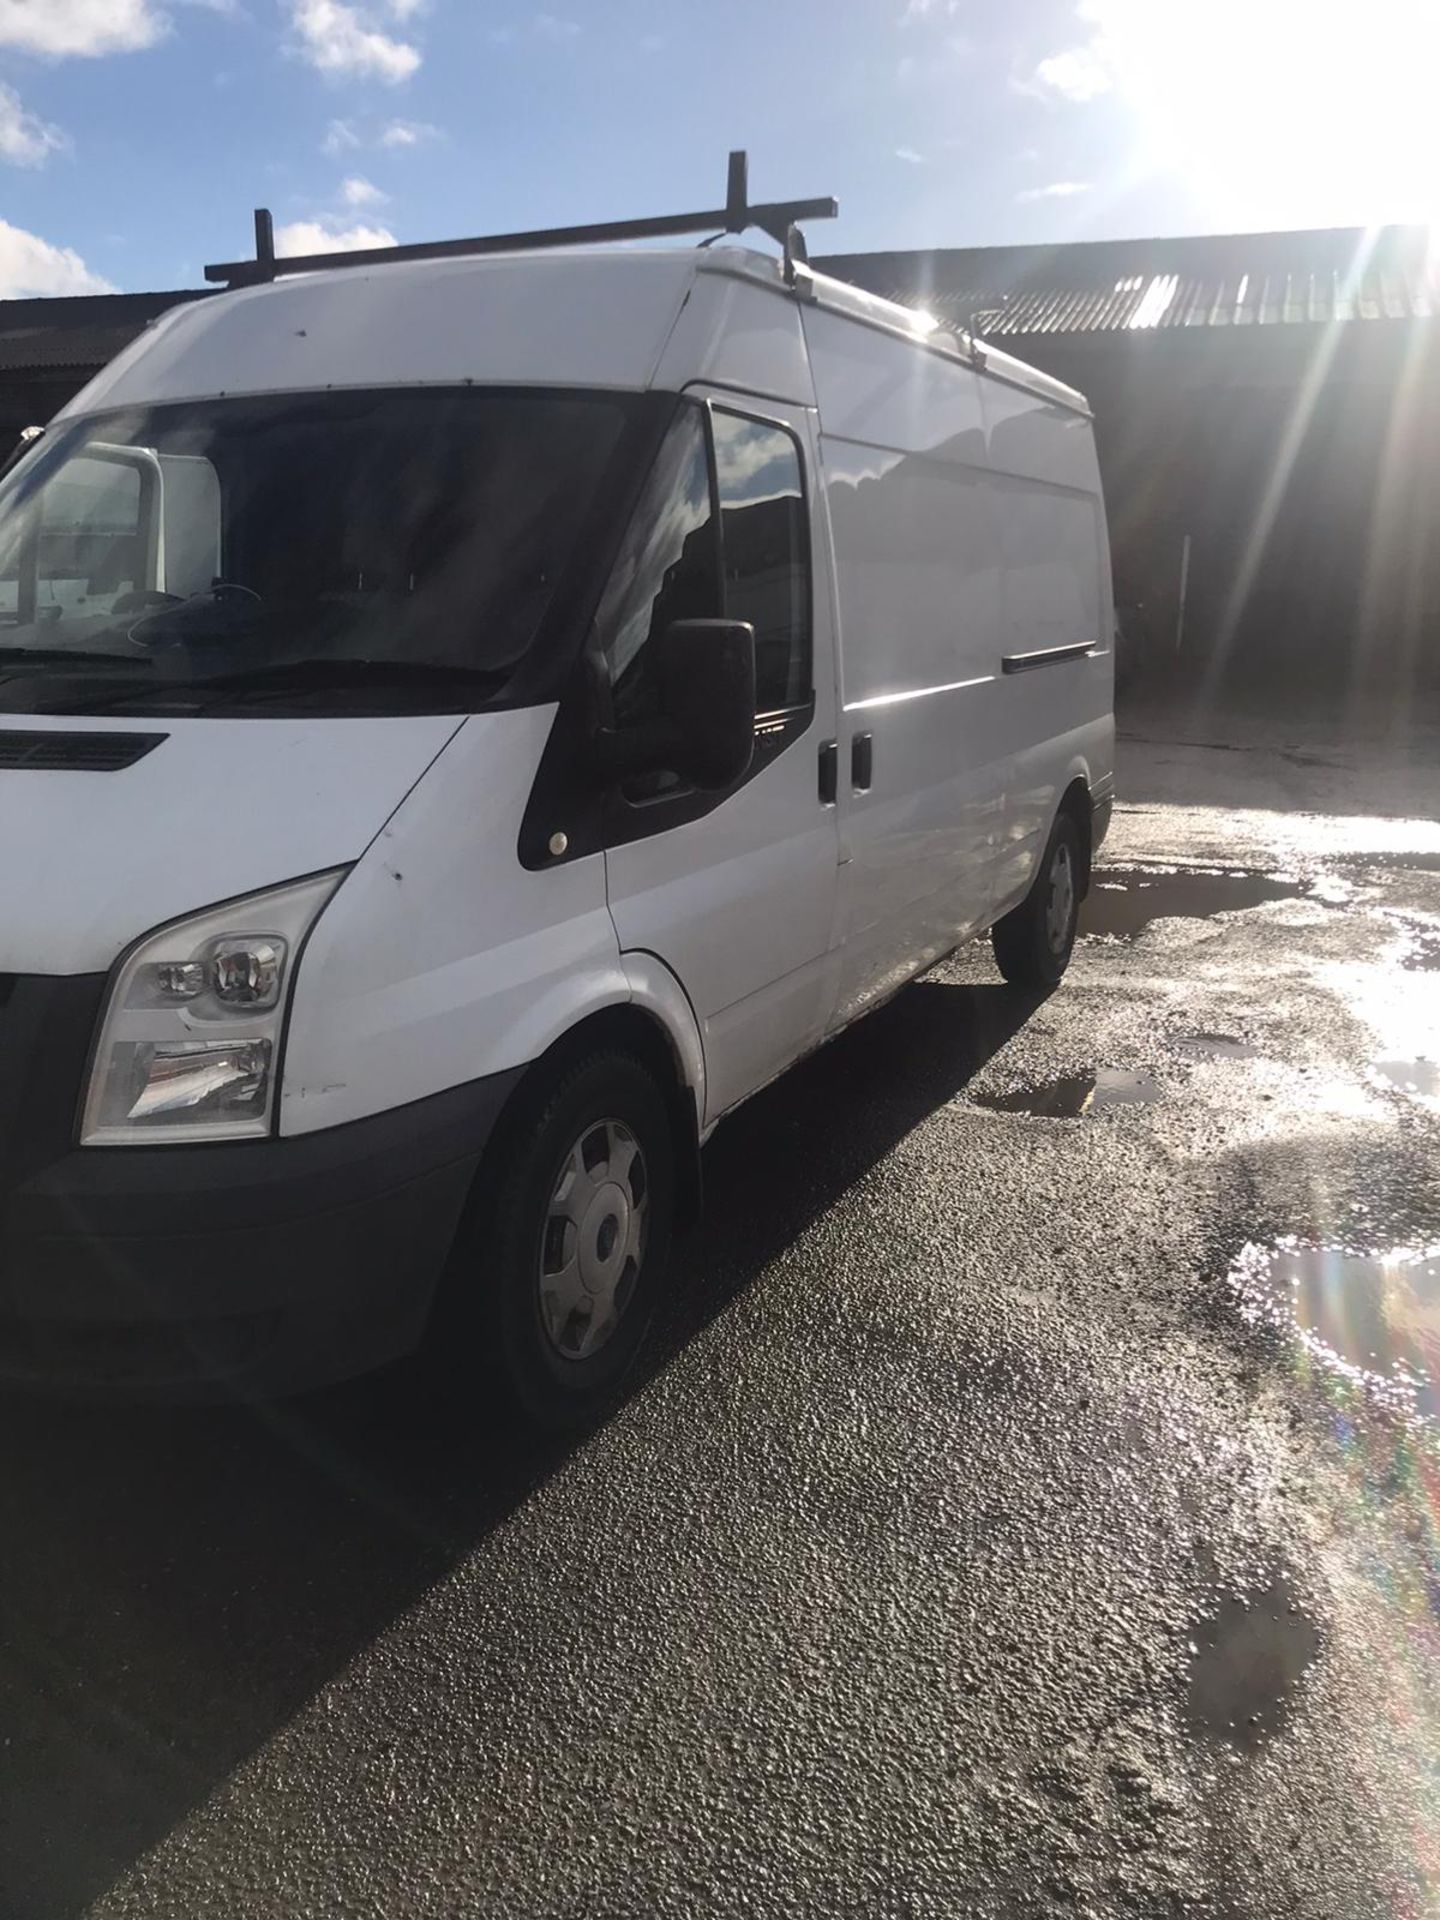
(1274, 397)
(50, 348)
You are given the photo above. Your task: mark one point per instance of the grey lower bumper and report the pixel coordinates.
(238, 1269)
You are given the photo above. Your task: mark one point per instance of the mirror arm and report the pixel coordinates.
(652, 748)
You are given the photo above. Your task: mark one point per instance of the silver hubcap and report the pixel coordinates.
(594, 1239)
(1060, 907)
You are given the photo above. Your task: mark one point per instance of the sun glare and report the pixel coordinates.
(1283, 112)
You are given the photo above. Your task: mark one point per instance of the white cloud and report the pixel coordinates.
(340, 41)
(317, 236)
(359, 192)
(910, 156)
(407, 9)
(1057, 190)
(30, 266)
(357, 136)
(25, 141)
(553, 27)
(1079, 73)
(83, 27)
(407, 133)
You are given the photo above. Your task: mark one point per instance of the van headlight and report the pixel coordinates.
(190, 1042)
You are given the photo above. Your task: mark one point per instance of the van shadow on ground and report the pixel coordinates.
(174, 1585)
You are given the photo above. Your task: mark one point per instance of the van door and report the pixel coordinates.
(923, 765)
(735, 892)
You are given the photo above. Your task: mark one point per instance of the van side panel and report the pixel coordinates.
(1055, 719)
(441, 959)
(917, 566)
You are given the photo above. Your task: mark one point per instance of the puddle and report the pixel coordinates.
(1394, 862)
(1420, 1077)
(1421, 953)
(1214, 1046)
(1124, 900)
(1074, 1095)
(1369, 1320)
(1247, 1656)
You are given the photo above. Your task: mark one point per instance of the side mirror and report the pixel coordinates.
(707, 695)
(705, 729)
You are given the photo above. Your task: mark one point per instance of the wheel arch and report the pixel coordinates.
(1075, 802)
(639, 1028)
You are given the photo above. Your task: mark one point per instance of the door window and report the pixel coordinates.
(681, 560)
(767, 560)
(667, 569)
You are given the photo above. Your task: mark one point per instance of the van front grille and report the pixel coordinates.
(41, 751)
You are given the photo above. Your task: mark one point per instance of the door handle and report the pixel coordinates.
(829, 772)
(862, 761)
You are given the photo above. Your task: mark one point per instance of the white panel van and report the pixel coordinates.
(465, 725)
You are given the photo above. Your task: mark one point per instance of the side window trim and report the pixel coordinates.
(806, 703)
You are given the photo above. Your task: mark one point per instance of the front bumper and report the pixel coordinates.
(243, 1268)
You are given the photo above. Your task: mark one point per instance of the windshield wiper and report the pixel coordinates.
(286, 676)
(202, 693)
(68, 656)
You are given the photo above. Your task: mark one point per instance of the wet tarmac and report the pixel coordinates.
(1073, 1096)
(942, 1558)
(1213, 1046)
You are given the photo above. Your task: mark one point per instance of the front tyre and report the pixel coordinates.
(559, 1266)
(1033, 943)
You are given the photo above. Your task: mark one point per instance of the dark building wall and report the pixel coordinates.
(1304, 464)
(1274, 396)
(31, 398)
(50, 348)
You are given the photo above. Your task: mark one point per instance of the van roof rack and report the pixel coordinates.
(777, 218)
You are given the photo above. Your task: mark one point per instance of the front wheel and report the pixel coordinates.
(1033, 943)
(558, 1268)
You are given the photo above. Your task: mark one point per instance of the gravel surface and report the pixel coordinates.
(982, 1538)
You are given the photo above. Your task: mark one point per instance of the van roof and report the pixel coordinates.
(597, 316)
(871, 309)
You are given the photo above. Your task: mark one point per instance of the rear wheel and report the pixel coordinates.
(558, 1268)
(1033, 943)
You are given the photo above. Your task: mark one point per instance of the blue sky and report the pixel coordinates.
(136, 135)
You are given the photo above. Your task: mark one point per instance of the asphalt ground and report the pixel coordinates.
(1025, 1508)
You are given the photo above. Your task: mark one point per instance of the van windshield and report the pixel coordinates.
(357, 552)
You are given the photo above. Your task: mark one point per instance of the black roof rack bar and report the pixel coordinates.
(264, 240)
(773, 217)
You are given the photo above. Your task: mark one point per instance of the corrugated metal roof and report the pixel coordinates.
(1144, 286)
(80, 332)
